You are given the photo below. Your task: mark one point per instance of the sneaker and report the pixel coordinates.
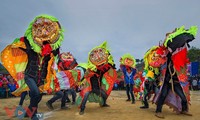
(81, 112)
(159, 115)
(128, 100)
(186, 113)
(49, 105)
(144, 107)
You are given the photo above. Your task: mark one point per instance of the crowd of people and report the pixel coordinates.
(194, 82)
(7, 86)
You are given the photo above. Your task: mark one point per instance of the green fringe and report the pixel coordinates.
(110, 57)
(193, 30)
(127, 55)
(16, 40)
(84, 65)
(28, 34)
(146, 64)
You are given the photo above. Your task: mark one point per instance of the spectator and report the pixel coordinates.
(190, 82)
(5, 91)
(194, 84)
(12, 86)
(198, 84)
(115, 87)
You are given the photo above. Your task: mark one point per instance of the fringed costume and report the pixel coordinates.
(29, 58)
(99, 77)
(153, 60)
(174, 91)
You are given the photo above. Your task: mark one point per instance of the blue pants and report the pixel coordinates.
(73, 93)
(23, 95)
(58, 95)
(35, 96)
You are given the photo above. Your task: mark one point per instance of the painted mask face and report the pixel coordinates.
(128, 62)
(156, 60)
(98, 56)
(67, 56)
(68, 61)
(45, 31)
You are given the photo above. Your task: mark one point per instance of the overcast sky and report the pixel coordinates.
(129, 26)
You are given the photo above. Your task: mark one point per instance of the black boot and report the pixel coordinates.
(105, 105)
(146, 105)
(49, 105)
(81, 112)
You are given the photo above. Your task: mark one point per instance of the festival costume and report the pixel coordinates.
(99, 77)
(127, 65)
(154, 58)
(65, 62)
(29, 59)
(137, 88)
(174, 91)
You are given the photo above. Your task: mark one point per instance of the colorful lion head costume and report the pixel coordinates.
(99, 59)
(154, 58)
(99, 56)
(66, 61)
(176, 42)
(128, 60)
(44, 36)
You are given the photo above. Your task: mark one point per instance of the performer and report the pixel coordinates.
(175, 89)
(66, 62)
(23, 97)
(127, 65)
(29, 59)
(153, 60)
(99, 77)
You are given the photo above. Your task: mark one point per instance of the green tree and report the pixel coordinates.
(139, 64)
(194, 54)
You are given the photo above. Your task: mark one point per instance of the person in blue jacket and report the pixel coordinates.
(128, 68)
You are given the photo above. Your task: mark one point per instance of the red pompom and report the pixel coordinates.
(46, 49)
(22, 39)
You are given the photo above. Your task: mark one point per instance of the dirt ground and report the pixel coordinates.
(119, 109)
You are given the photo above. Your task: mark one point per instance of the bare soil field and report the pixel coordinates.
(119, 109)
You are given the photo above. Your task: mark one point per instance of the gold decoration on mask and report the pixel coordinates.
(98, 56)
(45, 30)
(67, 56)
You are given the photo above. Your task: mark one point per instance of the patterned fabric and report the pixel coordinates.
(15, 61)
(108, 80)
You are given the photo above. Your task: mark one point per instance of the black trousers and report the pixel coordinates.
(129, 89)
(177, 89)
(150, 86)
(60, 94)
(98, 92)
